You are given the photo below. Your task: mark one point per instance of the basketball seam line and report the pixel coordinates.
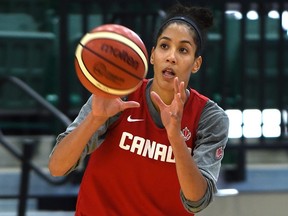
(119, 38)
(94, 81)
(131, 74)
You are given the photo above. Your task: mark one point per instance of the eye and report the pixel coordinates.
(183, 50)
(163, 45)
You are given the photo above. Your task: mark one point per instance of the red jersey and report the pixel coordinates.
(133, 171)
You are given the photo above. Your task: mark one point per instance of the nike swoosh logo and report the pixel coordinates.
(129, 119)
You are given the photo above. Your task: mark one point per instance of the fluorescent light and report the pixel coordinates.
(235, 123)
(254, 123)
(285, 20)
(234, 13)
(271, 122)
(252, 120)
(252, 15)
(273, 14)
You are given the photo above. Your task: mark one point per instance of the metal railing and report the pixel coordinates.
(29, 144)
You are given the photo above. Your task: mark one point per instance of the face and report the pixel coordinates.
(174, 56)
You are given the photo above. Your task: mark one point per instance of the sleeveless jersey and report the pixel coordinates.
(133, 171)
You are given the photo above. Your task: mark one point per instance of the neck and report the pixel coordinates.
(166, 96)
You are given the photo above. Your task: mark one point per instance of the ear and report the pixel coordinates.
(197, 64)
(152, 56)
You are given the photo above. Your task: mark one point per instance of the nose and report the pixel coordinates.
(171, 57)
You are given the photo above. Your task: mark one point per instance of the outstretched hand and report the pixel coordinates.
(171, 115)
(106, 107)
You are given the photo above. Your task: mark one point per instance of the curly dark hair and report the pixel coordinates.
(200, 16)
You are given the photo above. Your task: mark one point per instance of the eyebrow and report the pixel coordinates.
(183, 41)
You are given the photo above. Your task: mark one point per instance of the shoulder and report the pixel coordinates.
(213, 115)
(213, 109)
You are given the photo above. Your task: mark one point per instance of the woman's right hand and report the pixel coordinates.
(104, 107)
(69, 149)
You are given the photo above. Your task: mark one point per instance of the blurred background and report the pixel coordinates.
(245, 70)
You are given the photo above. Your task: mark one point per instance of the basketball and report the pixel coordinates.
(111, 60)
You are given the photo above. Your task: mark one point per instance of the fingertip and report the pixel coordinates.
(134, 104)
(176, 80)
(153, 94)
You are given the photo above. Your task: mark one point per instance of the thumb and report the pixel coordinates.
(129, 104)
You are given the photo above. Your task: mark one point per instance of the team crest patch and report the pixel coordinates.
(219, 153)
(186, 134)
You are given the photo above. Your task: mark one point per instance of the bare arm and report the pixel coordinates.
(189, 175)
(70, 148)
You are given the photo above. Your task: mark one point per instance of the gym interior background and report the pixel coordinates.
(245, 71)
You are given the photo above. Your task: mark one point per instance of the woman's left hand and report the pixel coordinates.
(171, 115)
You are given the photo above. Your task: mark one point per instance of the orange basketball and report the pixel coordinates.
(111, 60)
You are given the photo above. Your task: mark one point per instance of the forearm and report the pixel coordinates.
(70, 148)
(193, 184)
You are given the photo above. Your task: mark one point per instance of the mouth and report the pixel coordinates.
(168, 73)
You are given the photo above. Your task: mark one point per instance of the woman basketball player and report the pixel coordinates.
(157, 151)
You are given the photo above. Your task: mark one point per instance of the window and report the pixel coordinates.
(254, 123)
